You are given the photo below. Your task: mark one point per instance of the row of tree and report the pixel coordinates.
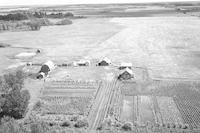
(27, 15)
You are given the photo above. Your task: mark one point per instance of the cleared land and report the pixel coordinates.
(154, 42)
(163, 47)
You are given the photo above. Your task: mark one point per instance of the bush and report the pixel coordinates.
(66, 124)
(74, 118)
(127, 126)
(81, 123)
(37, 105)
(34, 25)
(9, 125)
(39, 127)
(64, 22)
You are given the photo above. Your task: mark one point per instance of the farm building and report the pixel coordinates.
(125, 65)
(45, 69)
(104, 62)
(82, 63)
(126, 74)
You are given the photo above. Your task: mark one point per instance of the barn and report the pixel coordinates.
(125, 65)
(104, 62)
(45, 69)
(126, 74)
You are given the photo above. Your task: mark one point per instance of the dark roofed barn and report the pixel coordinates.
(126, 74)
(45, 69)
(104, 62)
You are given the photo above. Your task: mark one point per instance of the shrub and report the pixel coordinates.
(66, 124)
(81, 123)
(74, 118)
(64, 22)
(127, 126)
(37, 105)
(39, 127)
(9, 125)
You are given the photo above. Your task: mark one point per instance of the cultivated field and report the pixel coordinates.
(164, 52)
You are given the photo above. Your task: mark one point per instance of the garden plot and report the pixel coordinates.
(68, 97)
(66, 105)
(154, 109)
(127, 109)
(169, 111)
(137, 108)
(145, 109)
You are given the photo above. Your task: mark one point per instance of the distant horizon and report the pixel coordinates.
(6, 3)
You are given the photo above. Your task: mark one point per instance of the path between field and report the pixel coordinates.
(34, 88)
(100, 106)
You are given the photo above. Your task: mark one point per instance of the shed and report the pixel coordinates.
(82, 63)
(104, 62)
(40, 75)
(125, 65)
(126, 74)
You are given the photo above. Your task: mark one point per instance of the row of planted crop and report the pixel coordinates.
(66, 105)
(189, 110)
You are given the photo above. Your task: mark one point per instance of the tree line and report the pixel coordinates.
(25, 16)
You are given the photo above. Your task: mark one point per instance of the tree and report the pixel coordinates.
(14, 101)
(34, 25)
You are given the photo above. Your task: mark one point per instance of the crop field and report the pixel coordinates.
(66, 105)
(142, 109)
(161, 48)
(169, 111)
(68, 97)
(164, 102)
(189, 107)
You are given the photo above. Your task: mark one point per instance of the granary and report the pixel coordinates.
(125, 65)
(45, 69)
(104, 62)
(82, 63)
(126, 74)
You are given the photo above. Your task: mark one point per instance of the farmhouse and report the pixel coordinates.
(82, 63)
(104, 62)
(126, 74)
(125, 65)
(45, 69)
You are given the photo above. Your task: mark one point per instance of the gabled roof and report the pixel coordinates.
(106, 60)
(50, 64)
(83, 61)
(124, 64)
(127, 70)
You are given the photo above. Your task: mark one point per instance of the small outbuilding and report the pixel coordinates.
(125, 65)
(82, 63)
(104, 62)
(45, 69)
(126, 74)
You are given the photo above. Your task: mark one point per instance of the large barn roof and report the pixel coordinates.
(127, 70)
